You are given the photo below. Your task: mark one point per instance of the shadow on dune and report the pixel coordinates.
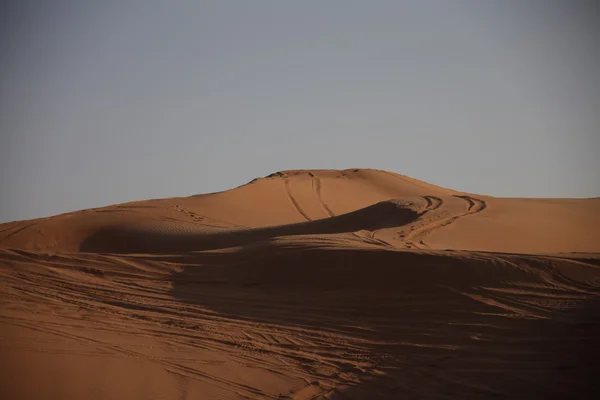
(409, 318)
(158, 239)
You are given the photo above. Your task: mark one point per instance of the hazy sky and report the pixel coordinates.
(104, 102)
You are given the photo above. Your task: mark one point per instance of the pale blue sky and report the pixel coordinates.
(104, 102)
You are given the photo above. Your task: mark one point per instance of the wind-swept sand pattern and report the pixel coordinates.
(268, 291)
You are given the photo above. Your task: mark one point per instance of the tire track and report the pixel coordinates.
(433, 203)
(474, 206)
(22, 228)
(371, 239)
(294, 201)
(204, 219)
(318, 189)
(215, 335)
(194, 373)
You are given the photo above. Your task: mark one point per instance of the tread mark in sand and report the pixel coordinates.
(19, 229)
(317, 182)
(433, 202)
(473, 206)
(294, 201)
(371, 235)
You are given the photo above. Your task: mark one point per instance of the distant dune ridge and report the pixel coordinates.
(399, 210)
(305, 284)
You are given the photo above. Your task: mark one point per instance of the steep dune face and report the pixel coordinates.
(319, 284)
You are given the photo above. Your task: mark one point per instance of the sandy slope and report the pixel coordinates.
(305, 285)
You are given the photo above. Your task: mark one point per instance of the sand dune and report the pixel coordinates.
(294, 197)
(354, 284)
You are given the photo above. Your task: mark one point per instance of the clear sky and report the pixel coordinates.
(103, 102)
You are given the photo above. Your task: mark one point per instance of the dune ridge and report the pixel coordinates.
(305, 284)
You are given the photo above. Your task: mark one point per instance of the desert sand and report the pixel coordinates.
(307, 284)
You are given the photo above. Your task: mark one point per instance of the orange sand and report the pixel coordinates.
(354, 284)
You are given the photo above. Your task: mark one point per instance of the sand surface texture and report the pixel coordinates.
(313, 284)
